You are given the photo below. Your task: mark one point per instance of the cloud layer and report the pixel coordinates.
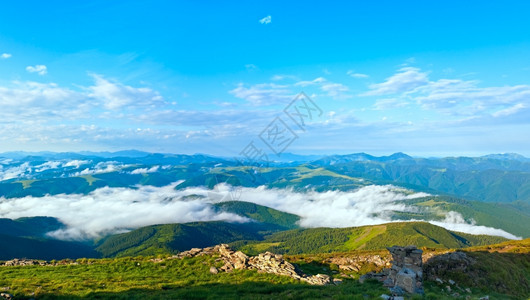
(112, 210)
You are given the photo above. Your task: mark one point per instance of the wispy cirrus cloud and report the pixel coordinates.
(406, 80)
(263, 94)
(354, 74)
(330, 89)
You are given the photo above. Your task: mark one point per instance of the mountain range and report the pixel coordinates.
(442, 197)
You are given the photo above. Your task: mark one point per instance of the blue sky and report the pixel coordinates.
(429, 79)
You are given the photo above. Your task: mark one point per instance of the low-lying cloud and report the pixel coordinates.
(112, 210)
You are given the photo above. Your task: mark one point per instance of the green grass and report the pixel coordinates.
(26, 183)
(502, 275)
(90, 179)
(359, 241)
(139, 278)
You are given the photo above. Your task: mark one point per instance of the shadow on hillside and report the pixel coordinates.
(245, 290)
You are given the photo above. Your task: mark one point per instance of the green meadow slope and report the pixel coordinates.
(326, 240)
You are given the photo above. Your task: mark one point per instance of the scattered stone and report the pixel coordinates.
(448, 288)
(451, 282)
(456, 295)
(213, 270)
(484, 298)
(468, 290)
(439, 280)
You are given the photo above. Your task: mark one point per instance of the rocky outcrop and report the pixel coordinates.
(25, 262)
(406, 273)
(264, 262)
(357, 262)
(33, 262)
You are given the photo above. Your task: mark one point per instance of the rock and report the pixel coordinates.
(484, 298)
(468, 290)
(263, 263)
(451, 282)
(6, 296)
(319, 279)
(439, 280)
(397, 291)
(406, 279)
(448, 288)
(388, 282)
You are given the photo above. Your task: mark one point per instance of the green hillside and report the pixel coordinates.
(26, 238)
(29, 227)
(173, 238)
(40, 248)
(326, 240)
(261, 214)
(513, 218)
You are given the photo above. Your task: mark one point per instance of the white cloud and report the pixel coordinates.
(451, 96)
(145, 170)
(76, 164)
(456, 222)
(39, 69)
(102, 167)
(406, 80)
(114, 95)
(251, 67)
(356, 75)
(110, 210)
(266, 20)
(384, 104)
(331, 89)
(19, 171)
(279, 77)
(315, 81)
(335, 90)
(25, 170)
(5, 55)
(263, 94)
(32, 101)
(510, 110)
